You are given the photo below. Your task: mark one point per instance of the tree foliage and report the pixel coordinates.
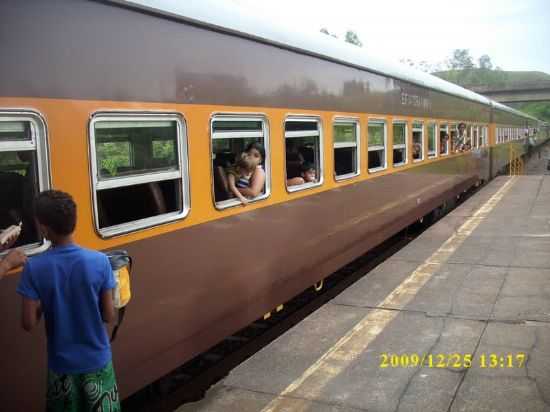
(461, 59)
(485, 62)
(353, 38)
(324, 30)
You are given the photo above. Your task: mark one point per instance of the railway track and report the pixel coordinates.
(189, 382)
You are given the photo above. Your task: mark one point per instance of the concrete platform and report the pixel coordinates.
(477, 283)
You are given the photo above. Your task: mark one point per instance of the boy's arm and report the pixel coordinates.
(31, 312)
(234, 190)
(257, 184)
(12, 260)
(107, 306)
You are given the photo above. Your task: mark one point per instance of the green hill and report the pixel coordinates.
(492, 78)
(499, 79)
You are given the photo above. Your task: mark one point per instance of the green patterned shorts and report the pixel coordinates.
(83, 392)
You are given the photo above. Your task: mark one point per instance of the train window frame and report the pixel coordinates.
(422, 139)
(474, 138)
(38, 143)
(432, 155)
(383, 122)
(340, 145)
(400, 146)
(182, 174)
(309, 133)
(444, 127)
(264, 134)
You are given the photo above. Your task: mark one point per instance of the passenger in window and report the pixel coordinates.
(443, 141)
(308, 174)
(294, 159)
(238, 176)
(417, 151)
(460, 138)
(14, 258)
(73, 288)
(257, 180)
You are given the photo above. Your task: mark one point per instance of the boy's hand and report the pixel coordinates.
(13, 259)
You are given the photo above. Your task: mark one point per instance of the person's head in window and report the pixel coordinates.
(246, 165)
(308, 172)
(461, 128)
(256, 150)
(417, 150)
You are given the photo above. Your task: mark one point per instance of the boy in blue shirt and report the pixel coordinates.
(73, 288)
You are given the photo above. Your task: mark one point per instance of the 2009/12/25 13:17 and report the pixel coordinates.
(452, 360)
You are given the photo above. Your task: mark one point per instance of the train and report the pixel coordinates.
(137, 108)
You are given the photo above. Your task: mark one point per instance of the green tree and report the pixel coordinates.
(324, 30)
(353, 38)
(485, 62)
(461, 60)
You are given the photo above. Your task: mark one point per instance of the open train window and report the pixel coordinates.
(304, 148)
(233, 136)
(483, 136)
(377, 145)
(432, 142)
(24, 172)
(399, 143)
(475, 137)
(139, 170)
(453, 137)
(417, 141)
(444, 139)
(346, 148)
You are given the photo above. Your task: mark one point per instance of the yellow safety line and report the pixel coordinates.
(355, 342)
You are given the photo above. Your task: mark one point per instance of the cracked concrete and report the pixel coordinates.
(490, 299)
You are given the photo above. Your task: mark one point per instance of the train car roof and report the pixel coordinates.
(225, 16)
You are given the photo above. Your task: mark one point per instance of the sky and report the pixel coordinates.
(514, 33)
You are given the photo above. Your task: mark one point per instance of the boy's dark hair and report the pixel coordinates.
(57, 210)
(304, 167)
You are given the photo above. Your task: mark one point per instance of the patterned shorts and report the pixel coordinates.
(83, 392)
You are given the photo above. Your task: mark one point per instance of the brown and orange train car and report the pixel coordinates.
(133, 107)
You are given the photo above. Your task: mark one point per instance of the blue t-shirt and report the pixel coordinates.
(68, 281)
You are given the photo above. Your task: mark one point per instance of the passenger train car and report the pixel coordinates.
(137, 108)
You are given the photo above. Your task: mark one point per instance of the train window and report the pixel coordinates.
(432, 142)
(399, 143)
(231, 137)
(24, 173)
(443, 139)
(346, 148)
(468, 143)
(139, 170)
(304, 148)
(418, 141)
(453, 137)
(377, 145)
(475, 140)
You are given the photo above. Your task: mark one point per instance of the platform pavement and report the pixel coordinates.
(477, 282)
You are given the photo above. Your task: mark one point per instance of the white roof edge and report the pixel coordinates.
(224, 16)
